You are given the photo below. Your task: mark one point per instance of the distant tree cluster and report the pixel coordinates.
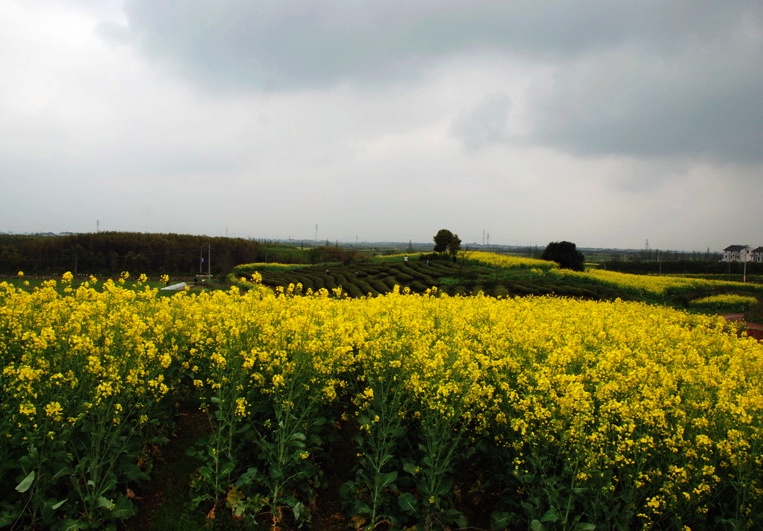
(333, 254)
(696, 267)
(565, 254)
(112, 252)
(447, 242)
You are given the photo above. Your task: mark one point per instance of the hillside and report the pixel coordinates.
(505, 276)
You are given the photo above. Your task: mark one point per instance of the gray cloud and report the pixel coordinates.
(621, 121)
(483, 125)
(703, 102)
(294, 43)
(653, 78)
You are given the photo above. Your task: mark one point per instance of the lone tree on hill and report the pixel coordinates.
(445, 240)
(565, 254)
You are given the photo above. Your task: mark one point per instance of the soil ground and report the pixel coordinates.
(753, 329)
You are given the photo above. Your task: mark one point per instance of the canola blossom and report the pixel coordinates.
(725, 302)
(653, 284)
(505, 260)
(564, 411)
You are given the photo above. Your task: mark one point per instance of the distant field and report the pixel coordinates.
(227, 405)
(502, 276)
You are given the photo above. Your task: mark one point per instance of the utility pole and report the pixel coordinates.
(209, 260)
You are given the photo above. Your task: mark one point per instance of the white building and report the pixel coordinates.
(737, 253)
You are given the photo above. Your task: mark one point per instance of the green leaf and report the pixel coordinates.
(64, 471)
(584, 527)
(72, 525)
(26, 482)
(550, 516)
(206, 472)
(535, 525)
(109, 485)
(227, 468)
(59, 504)
(298, 436)
(362, 508)
(299, 510)
(407, 502)
(444, 488)
(411, 468)
(501, 520)
(249, 477)
(105, 502)
(456, 516)
(388, 478)
(123, 509)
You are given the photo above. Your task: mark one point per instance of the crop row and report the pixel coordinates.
(541, 412)
(499, 276)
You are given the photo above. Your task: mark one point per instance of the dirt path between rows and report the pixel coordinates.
(753, 329)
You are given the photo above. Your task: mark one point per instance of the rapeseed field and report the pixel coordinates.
(544, 412)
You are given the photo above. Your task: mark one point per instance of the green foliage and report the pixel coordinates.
(711, 269)
(516, 279)
(112, 252)
(325, 254)
(565, 254)
(724, 303)
(378, 442)
(446, 241)
(441, 240)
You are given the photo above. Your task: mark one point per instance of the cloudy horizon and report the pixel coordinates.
(605, 124)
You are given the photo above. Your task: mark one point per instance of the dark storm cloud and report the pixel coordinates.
(297, 43)
(651, 78)
(700, 101)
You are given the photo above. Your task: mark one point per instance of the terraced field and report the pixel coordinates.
(358, 280)
(503, 276)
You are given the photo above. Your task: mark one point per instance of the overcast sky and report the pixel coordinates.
(600, 122)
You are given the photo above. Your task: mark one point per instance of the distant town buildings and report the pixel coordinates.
(742, 253)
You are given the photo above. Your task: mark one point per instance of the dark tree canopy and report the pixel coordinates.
(441, 240)
(445, 240)
(112, 252)
(565, 254)
(455, 245)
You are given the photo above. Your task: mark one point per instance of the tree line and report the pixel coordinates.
(698, 267)
(113, 252)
